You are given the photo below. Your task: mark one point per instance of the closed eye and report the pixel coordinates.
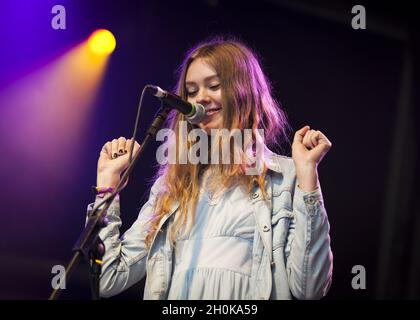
(192, 93)
(213, 88)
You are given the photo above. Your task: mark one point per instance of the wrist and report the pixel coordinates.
(307, 178)
(107, 180)
(100, 192)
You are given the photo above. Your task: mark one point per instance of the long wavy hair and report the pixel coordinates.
(247, 104)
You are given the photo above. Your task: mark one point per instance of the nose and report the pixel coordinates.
(202, 97)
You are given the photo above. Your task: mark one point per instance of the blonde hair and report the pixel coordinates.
(247, 104)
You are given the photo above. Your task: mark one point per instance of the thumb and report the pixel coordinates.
(300, 134)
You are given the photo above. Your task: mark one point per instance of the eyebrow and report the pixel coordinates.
(205, 79)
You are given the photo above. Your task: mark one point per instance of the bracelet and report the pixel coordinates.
(100, 191)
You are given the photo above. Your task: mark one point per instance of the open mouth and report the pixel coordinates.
(211, 111)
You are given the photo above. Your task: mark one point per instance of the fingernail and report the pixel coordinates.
(115, 155)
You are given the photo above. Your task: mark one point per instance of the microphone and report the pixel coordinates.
(195, 113)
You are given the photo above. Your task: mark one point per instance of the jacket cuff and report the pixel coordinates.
(308, 201)
(114, 208)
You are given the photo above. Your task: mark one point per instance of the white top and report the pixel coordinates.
(214, 260)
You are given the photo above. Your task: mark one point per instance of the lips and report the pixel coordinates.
(211, 111)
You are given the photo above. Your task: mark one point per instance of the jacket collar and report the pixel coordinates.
(272, 160)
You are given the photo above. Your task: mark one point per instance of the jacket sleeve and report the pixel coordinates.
(124, 261)
(309, 259)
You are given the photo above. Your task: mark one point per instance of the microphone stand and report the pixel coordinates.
(89, 245)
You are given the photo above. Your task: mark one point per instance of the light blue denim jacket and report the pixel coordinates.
(292, 254)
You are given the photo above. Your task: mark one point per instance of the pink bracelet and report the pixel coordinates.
(100, 191)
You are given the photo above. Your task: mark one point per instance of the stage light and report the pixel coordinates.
(53, 103)
(102, 42)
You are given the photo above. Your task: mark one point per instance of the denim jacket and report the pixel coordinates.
(291, 255)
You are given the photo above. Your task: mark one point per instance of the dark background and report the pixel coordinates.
(357, 86)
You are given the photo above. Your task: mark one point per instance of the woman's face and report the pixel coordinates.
(203, 86)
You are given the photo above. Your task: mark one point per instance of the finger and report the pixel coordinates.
(324, 139)
(129, 145)
(300, 134)
(306, 140)
(106, 149)
(314, 137)
(136, 146)
(114, 148)
(323, 146)
(121, 145)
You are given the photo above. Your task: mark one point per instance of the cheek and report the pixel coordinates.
(218, 97)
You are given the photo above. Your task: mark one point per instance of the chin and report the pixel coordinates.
(211, 125)
(207, 129)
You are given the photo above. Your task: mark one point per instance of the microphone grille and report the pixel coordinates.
(199, 114)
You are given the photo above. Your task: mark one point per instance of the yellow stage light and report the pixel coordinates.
(102, 42)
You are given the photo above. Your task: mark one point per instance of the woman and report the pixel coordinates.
(214, 231)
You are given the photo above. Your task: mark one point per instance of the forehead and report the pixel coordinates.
(198, 71)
